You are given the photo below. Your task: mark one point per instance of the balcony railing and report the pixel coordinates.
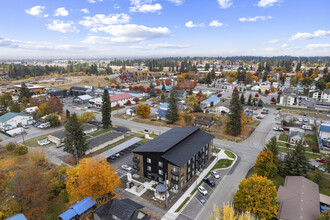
(174, 181)
(136, 167)
(175, 173)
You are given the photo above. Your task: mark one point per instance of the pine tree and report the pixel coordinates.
(242, 99)
(24, 92)
(152, 91)
(75, 138)
(106, 110)
(260, 103)
(172, 113)
(234, 125)
(272, 145)
(208, 79)
(295, 162)
(162, 97)
(250, 100)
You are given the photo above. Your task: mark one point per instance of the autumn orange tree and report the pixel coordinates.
(258, 195)
(55, 105)
(143, 110)
(299, 75)
(266, 164)
(168, 82)
(91, 178)
(227, 212)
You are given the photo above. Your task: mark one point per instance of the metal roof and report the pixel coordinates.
(11, 115)
(18, 216)
(78, 208)
(325, 127)
(103, 138)
(167, 140)
(118, 148)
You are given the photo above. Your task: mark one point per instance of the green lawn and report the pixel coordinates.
(143, 141)
(283, 137)
(324, 186)
(99, 132)
(282, 144)
(307, 154)
(223, 163)
(217, 150)
(230, 154)
(311, 139)
(34, 142)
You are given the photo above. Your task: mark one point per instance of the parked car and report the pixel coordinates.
(60, 145)
(311, 122)
(117, 155)
(321, 160)
(215, 174)
(307, 127)
(275, 128)
(65, 149)
(209, 181)
(286, 129)
(127, 168)
(202, 190)
(300, 119)
(278, 108)
(260, 116)
(305, 119)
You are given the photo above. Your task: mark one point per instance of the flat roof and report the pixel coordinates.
(118, 148)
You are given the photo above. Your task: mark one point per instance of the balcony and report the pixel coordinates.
(136, 159)
(174, 181)
(175, 173)
(135, 167)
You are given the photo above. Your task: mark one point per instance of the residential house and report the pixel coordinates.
(89, 128)
(82, 99)
(120, 209)
(58, 93)
(178, 154)
(203, 120)
(164, 106)
(131, 111)
(161, 114)
(299, 198)
(33, 89)
(78, 210)
(77, 91)
(31, 110)
(210, 102)
(264, 86)
(12, 120)
(103, 140)
(289, 97)
(120, 99)
(296, 136)
(324, 131)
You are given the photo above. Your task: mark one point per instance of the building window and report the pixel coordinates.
(160, 179)
(160, 172)
(182, 169)
(149, 168)
(175, 186)
(188, 169)
(160, 164)
(189, 177)
(149, 175)
(148, 160)
(193, 173)
(188, 162)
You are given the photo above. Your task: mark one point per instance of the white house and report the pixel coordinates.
(131, 111)
(296, 136)
(222, 109)
(12, 120)
(120, 99)
(321, 96)
(31, 109)
(210, 102)
(289, 97)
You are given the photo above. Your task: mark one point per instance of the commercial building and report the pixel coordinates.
(177, 155)
(34, 90)
(12, 120)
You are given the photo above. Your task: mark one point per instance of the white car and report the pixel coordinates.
(215, 174)
(311, 122)
(300, 119)
(202, 190)
(127, 168)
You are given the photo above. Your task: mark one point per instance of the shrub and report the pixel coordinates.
(11, 146)
(38, 157)
(21, 150)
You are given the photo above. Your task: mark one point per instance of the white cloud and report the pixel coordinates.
(85, 11)
(190, 24)
(268, 3)
(116, 6)
(30, 45)
(317, 46)
(36, 10)
(306, 36)
(144, 6)
(94, 1)
(225, 3)
(61, 12)
(285, 46)
(177, 2)
(254, 19)
(273, 41)
(63, 27)
(160, 46)
(101, 19)
(215, 23)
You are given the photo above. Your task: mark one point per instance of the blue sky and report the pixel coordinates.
(154, 28)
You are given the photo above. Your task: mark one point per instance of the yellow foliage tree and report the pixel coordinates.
(258, 195)
(266, 164)
(255, 78)
(272, 89)
(328, 85)
(86, 116)
(143, 110)
(92, 178)
(243, 121)
(228, 213)
(299, 76)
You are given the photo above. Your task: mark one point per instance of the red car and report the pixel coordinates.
(321, 160)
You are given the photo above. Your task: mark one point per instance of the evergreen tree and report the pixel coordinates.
(320, 84)
(213, 73)
(15, 107)
(272, 146)
(295, 162)
(242, 99)
(298, 67)
(250, 100)
(260, 103)
(162, 97)
(75, 138)
(241, 74)
(106, 110)
(254, 102)
(172, 113)
(152, 91)
(24, 92)
(163, 87)
(234, 125)
(208, 79)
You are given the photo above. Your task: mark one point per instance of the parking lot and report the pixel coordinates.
(198, 200)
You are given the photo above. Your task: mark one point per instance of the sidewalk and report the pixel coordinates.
(171, 214)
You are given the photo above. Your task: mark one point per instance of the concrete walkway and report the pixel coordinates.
(171, 214)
